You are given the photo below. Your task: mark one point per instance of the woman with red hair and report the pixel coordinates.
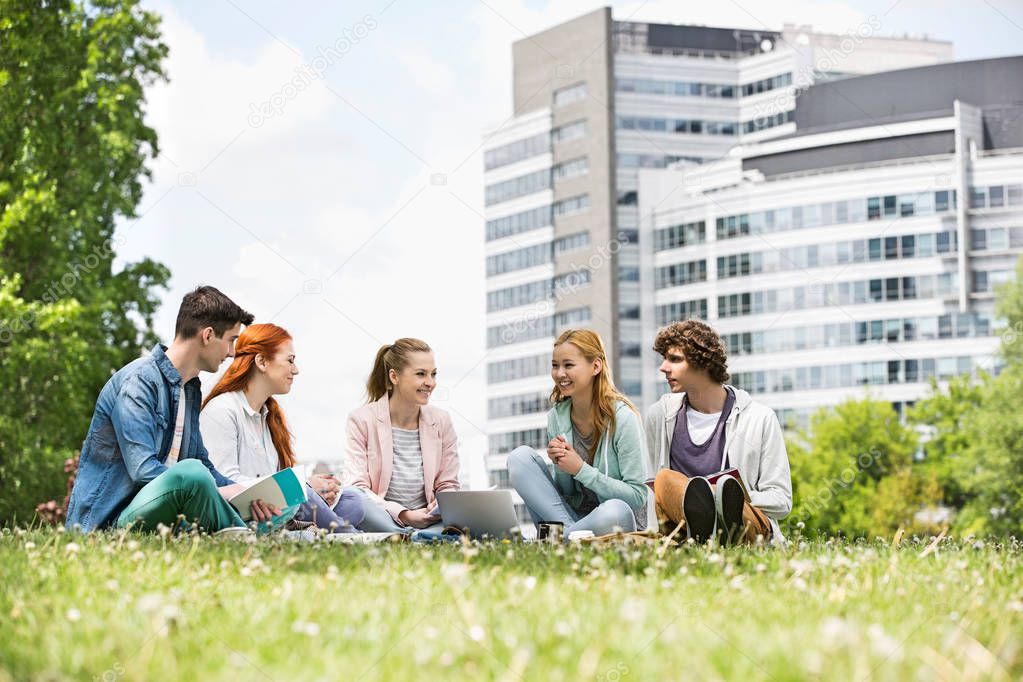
(244, 429)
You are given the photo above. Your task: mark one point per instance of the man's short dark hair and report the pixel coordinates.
(208, 307)
(700, 345)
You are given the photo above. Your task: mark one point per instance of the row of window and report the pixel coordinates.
(519, 259)
(906, 371)
(652, 160)
(518, 368)
(681, 310)
(534, 145)
(840, 293)
(571, 169)
(535, 218)
(765, 122)
(508, 441)
(996, 196)
(517, 405)
(677, 236)
(579, 240)
(518, 150)
(698, 127)
(839, 334)
(517, 223)
(532, 292)
(838, 253)
(680, 274)
(569, 131)
(985, 281)
(529, 329)
(516, 187)
(572, 205)
(996, 239)
(569, 94)
(835, 213)
(676, 125)
(648, 86)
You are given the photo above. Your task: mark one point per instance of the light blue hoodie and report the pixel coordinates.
(619, 469)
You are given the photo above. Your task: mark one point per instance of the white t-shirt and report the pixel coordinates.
(701, 425)
(238, 438)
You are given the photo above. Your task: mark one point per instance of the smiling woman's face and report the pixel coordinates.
(571, 371)
(416, 381)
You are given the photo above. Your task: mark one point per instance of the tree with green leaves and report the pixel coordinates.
(977, 448)
(73, 153)
(852, 471)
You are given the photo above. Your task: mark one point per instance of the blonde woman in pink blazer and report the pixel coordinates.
(400, 451)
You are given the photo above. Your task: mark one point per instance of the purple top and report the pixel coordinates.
(703, 459)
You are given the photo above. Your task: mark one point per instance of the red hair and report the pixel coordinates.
(265, 340)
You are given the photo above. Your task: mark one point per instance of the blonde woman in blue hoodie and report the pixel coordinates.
(599, 480)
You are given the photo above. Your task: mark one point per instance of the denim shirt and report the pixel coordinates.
(129, 439)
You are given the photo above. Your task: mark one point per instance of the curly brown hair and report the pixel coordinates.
(700, 345)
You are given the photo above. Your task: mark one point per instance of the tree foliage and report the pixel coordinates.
(73, 153)
(852, 471)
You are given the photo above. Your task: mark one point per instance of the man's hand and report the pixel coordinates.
(417, 518)
(263, 512)
(326, 486)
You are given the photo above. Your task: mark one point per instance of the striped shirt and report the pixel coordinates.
(407, 486)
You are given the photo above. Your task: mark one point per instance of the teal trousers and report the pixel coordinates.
(185, 489)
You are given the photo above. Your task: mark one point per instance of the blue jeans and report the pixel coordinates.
(343, 518)
(533, 482)
(378, 520)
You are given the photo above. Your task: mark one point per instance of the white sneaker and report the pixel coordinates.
(240, 533)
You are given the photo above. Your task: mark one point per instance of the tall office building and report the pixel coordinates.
(862, 250)
(596, 100)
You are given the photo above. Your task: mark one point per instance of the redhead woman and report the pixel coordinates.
(246, 434)
(401, 451)
(596, 446)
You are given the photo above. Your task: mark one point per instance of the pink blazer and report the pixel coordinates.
(369, 452)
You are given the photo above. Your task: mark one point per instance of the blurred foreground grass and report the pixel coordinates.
(129, 607)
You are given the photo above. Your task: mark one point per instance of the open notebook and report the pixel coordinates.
(283, 489)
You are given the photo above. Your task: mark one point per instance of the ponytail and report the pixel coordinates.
(378, 384)
(394, 356)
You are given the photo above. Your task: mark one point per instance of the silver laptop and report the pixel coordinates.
(479, 512)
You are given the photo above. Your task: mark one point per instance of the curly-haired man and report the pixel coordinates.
(704, 426)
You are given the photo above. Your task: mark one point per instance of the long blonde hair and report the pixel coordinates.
(391, 356)
(605, 394)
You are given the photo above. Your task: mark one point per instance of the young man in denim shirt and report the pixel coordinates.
(143, 462)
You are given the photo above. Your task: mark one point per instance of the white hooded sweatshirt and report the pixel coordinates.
(753, 444)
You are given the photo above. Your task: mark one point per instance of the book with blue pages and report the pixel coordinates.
(282, 490)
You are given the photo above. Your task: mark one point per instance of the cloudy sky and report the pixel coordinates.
(348, 208)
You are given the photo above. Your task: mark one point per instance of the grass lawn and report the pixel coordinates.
(129, 607)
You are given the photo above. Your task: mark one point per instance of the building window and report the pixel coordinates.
(520, 186)
(572, 242)
(518, 368)
(571, 169)
(569, 131)
(517, 151)
(532, 219)
(572, 205)
(567, 95)
(520, 259)
(677, 236)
